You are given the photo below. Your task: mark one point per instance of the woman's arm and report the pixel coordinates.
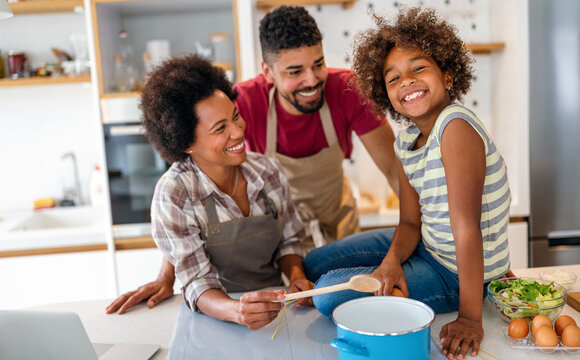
(154, 292)
(463, 154)
(292, 266)
(405, 240)
(254, 309)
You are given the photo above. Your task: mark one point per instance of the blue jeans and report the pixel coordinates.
(335, 263)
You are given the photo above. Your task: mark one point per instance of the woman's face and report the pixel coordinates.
(219, 136)
(415, 84)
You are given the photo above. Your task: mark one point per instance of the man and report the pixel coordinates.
(303, 114)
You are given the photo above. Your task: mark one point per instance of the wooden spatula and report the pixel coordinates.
(362, 283)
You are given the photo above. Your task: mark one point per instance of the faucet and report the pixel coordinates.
(72, 192)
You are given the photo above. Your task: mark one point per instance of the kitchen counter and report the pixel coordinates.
(303, 328)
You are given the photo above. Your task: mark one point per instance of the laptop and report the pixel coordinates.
(31, 335)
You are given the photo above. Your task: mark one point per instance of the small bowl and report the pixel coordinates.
(509, 309)
(564, 278)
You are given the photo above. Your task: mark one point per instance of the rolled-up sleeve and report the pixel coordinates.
(177, 234)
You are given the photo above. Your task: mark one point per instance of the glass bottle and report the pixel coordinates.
(131, 76)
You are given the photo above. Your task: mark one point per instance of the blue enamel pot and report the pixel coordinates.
(382, 327)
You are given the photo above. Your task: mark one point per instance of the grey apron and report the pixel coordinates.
(242, 250)
(319, 188)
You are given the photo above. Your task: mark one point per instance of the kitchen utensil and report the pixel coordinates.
(508, 308)
(564, 278)
(574, 300)
(363, 283)
(381, 327)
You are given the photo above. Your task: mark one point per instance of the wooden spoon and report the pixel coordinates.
(362, 283)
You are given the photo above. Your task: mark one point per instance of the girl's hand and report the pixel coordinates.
(257, 309)
(298, 285)
(460, 335)
(390, 273)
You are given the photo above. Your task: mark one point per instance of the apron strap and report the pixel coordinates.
(212, 217)
(269, 204)
(272, 124)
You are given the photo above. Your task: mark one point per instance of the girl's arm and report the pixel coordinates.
(463, 155)
(405, 240)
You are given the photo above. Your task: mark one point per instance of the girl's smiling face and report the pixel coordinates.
(415, 84)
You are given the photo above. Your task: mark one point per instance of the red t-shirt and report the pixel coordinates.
(303, 135)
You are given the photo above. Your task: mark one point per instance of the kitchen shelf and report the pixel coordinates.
(266, 5)
(45, 6)
(130, 94)
(484, 48)
(49, 80)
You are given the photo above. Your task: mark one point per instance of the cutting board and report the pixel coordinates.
(573, 300)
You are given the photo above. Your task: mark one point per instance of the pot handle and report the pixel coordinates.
(343, 345)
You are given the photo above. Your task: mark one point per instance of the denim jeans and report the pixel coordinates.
(335, 263)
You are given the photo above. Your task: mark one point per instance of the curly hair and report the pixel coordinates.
(287, 27)
(168, 100)
(415, 28)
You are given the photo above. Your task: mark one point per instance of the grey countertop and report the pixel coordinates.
(155, 326)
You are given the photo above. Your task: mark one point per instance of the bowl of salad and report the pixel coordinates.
(526, 298)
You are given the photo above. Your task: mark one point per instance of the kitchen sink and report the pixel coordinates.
(57, 218)
(59, 227)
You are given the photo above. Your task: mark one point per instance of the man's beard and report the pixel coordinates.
(310, 107)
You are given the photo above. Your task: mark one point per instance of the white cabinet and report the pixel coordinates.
(35, 280)
(138, 267)
(518, 245)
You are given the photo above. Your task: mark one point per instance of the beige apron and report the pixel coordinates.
(319, 188)
(242, 250)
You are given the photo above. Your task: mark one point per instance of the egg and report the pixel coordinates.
(546, 336)
(518, 328)
(571, 337)
(538, 321)
(397, 292)
(562, 322)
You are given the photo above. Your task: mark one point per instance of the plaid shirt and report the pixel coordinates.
(180, 222)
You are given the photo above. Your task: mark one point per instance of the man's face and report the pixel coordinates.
(299, 76)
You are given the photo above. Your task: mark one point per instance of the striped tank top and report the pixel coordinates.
(424, 169)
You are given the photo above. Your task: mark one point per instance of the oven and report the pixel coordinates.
(134, 167)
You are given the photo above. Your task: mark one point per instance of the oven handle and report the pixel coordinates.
(126, 130)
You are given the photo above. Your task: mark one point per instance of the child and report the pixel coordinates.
(454, 195)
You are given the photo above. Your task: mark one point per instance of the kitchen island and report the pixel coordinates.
(303, 330)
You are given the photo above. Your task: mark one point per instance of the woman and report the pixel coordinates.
(223, 217)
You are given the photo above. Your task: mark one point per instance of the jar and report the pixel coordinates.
(16, 64)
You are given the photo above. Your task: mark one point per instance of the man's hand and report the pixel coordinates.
(460, 335)
(155, 292)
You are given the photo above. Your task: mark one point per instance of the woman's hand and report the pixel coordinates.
(460, 335)
(154, 292)
(257, 309)
(390, 273)
(298, 285)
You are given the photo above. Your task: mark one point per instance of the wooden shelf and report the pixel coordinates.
(485, 48)
(145, 242)
(49, 80)
(130, 94)
(266, 5)
(45, 6)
